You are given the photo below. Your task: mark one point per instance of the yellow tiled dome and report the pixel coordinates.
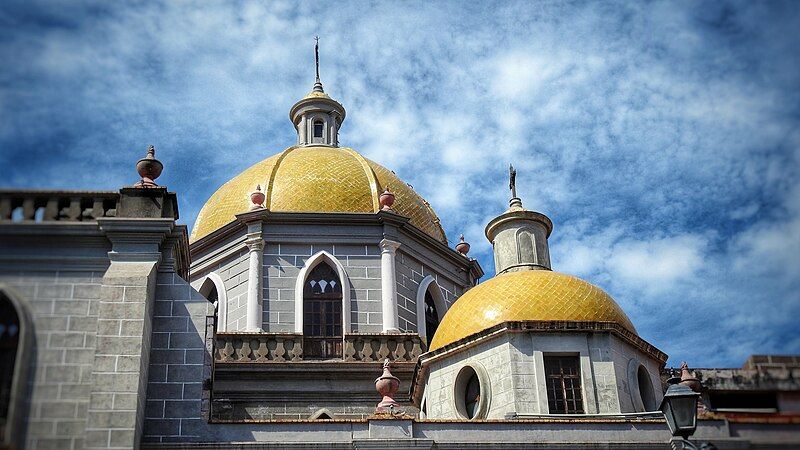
(316, 179)
(527, 295)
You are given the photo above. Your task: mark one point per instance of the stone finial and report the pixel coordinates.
(462, 246)
(149, 169)
(257, 198)
(386, 200)
(688, 379)
(387, 386)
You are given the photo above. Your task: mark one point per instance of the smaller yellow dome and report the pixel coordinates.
(531, 295)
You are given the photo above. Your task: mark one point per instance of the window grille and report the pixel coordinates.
(564, 394)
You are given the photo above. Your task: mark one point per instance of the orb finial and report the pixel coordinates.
(257, 199)
(386, 200)
(462, 246)
(387, 386)
(149, 168)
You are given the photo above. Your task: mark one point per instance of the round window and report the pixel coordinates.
(471, 393)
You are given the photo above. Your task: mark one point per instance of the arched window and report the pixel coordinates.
(431, 316)
(527, 252)
(322, 313)
(9, 342)
(318, 128)
(213, 289)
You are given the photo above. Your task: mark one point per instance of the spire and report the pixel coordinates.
(317, 83)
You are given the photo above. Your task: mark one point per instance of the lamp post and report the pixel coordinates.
(680, 409)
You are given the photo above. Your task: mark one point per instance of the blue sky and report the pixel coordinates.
(661, 137)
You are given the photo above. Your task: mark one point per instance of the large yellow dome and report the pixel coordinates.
(316, 179)
(527, 295)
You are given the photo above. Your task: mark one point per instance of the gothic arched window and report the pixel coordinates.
(9, 341)
(431, 317)
(322, 313)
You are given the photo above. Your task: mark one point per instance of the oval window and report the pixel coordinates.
(646, 389)
(471, 393)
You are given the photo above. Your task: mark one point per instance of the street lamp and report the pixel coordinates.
(680, 408)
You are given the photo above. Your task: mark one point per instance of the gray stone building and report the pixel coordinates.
(268, 327)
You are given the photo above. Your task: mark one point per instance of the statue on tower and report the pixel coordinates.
(512, 180)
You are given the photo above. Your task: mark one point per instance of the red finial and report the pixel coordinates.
(386, 200)
(149, 169)
(688, 379)
(257, 198)
(387, 385)
(463, 246)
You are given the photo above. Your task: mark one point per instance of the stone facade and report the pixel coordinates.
(63, 306)
(513, 363)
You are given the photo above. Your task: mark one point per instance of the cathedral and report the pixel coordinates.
(318, 304)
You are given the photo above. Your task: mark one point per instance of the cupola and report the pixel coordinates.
(518, 236)
(317, 117)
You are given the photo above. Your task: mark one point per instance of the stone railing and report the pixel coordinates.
(405, 347)
(280, 347)
(258, 347)
(47, 206)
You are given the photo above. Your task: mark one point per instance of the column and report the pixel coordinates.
(389, 286)
(254, 281)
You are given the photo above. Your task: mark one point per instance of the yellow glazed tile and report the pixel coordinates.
(316, 179)
(527, 295)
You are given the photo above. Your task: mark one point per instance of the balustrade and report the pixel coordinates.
(280, 347)
(46, 206)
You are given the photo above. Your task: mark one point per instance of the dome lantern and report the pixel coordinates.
(317, 117)
(518, 236)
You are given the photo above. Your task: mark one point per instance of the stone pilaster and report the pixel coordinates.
(119, 376)
(389, 286)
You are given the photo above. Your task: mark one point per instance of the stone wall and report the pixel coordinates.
(175, 382)
(515, 365)
(282, 264)
(63, 306)
(494, 357)
(409, 274)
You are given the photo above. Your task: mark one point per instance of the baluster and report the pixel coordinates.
(416, 350)
(51, 209)
(400, 353)
(97, 208)
(383, 351)
(5, 208)
(227, 352)
(28, 209)
(244, 352)
(297, 350)
(280, 350)
(349, 349)
(74, 211)
(262, 353)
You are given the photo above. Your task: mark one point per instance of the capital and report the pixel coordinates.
(255, 242)
(389, 246)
